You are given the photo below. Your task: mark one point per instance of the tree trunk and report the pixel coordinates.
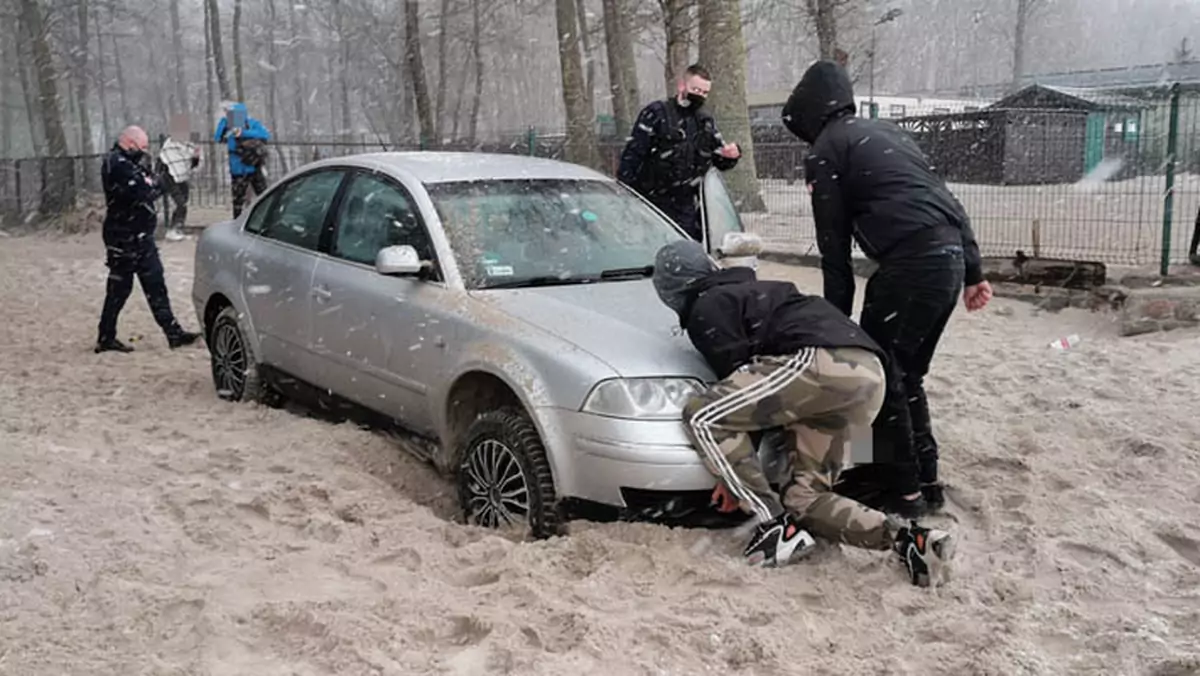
(299, 81)
(581, 132)
(81, 81)
(101, 81)
(723, 51)
(127, 116)
(823, 13)
(677, 22)
(477, 54)
(1024, 7)
(622, 65)
(589, 55)
(180, 102)
(33, 115)
(6, 117)
(237, 50)
(217, 53)
(439, 122)
(461, 95)
(58, 190)
(273, 57)
(416, 69)
(343, 66)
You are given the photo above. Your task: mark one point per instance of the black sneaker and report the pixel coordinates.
(779, 542)
(182, 339)
(935, 496)
(113, 345)
(924, 552)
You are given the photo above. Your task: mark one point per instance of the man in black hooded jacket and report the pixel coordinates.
(870, 183)
(786, 360)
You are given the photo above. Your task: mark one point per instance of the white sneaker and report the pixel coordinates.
(174, 235)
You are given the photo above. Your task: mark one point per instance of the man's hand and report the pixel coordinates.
(237, 132)
(977, 296)
(723, 499)
(730, 150)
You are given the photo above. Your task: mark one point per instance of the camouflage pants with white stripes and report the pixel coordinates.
(820, 397)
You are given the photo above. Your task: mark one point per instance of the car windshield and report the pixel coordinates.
(541, 232)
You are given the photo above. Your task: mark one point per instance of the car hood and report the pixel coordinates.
(622, 323)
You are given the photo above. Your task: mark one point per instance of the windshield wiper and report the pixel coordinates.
(540, 280)
(616, 273)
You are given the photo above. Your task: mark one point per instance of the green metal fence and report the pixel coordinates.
(1055, 173)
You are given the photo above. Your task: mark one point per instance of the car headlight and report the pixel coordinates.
(642, 398)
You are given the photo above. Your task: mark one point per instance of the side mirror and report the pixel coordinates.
(740, 250)
(398, 260)
(740, 244)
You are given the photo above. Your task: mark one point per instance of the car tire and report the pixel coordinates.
(501, 460)
(235, 370)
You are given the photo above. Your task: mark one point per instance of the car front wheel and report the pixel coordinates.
(503, 476)
(235, 369)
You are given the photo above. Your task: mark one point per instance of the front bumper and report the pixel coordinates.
(604, 460)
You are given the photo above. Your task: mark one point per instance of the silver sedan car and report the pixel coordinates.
(498, 305)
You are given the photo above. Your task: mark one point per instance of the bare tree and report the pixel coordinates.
(1025, 11)
(678, 25)
(622, 65)
(346, 124)
(217, 53)
(237, 50)
(581, 132)
(58, 194)
(273, 58)
(122, 91)
(416, 68)
(723, 51)
(6, 111)
(299, 80)
(101, 78)
(823, 13)
(443, 70)
(477, 55)
(589, 54)
(81, 79)
(180, 103)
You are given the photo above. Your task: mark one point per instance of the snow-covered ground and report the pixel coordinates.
(148, 528)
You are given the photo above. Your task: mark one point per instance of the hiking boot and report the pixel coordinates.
(924, 552)
(935, 496)
(778, 542)
(112, 345)
(182, 339)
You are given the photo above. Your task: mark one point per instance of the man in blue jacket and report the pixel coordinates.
(130, 192)
(247, 154)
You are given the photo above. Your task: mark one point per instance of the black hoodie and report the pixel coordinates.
(731, 316)
(870, 182)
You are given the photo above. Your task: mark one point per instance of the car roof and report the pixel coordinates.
(441, 167)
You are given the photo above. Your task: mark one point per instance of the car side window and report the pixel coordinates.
(258, 216)
(375, 214)
(299, 211)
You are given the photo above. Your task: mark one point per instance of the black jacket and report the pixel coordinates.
(869, 180)
(129, 193)
(731, 316)
(669, 151)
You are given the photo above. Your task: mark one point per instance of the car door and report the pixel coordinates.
(718, 212)
(279, 265)
(382, 337)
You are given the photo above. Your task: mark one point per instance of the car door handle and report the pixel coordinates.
(251, 267)
(322, 293)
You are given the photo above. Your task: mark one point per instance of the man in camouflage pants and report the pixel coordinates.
(786, 360)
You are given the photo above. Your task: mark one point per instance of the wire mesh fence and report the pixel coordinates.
(1054, 172)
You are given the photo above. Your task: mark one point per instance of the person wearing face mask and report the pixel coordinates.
(130, 192)
(673, 144)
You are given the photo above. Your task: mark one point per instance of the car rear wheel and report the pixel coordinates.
(235, 369)
(503, 476)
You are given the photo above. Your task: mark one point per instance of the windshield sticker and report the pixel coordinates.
(590, 217)
(499, 271)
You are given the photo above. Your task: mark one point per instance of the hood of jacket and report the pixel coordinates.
(677, 267)
(823, 93)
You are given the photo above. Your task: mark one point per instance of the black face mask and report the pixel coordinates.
(696, 100)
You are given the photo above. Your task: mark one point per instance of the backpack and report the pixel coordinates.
(253, 151)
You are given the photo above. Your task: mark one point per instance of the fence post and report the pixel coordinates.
(1169, 198)
(531, 141)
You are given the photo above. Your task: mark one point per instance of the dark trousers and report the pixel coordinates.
(126, 259)
(179, 193)
(683, 210)
(257, 180)
(906, 308)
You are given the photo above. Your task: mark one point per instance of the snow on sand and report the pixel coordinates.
(148, 528)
